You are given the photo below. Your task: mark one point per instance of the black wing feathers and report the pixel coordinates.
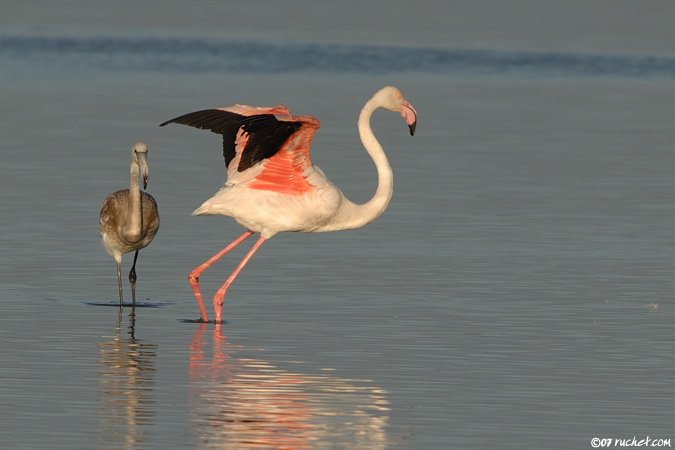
(266, 134)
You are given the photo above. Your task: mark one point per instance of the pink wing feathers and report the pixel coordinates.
(269, 139)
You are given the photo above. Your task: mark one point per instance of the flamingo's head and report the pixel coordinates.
(391, 98)
(139, 155)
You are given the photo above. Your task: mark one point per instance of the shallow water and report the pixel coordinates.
(516, 294)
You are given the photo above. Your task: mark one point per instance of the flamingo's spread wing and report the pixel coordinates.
(253, 135)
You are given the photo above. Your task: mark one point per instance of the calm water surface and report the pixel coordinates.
(518, 293)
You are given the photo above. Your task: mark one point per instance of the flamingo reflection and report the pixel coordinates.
(126, 381)
(241, 402)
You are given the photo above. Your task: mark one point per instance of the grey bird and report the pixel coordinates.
(129, 219)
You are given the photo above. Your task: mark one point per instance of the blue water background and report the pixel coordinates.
(516, 294)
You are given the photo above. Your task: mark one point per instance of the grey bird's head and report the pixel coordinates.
(139, 155)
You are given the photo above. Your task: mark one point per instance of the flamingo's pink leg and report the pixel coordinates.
(194, 275)
(219, 297)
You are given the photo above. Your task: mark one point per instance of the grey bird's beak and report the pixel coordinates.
(143, 166)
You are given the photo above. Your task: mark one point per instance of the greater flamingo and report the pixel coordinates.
(272, 185)
(129, 218)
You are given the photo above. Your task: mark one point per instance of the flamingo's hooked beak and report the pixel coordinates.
(410, 116)
(143, 166)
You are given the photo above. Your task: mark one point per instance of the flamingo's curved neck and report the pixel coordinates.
(132, 229)
(355, 215)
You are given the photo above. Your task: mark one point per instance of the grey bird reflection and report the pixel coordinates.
(127, 369)
(237, 401)
(129, 219)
